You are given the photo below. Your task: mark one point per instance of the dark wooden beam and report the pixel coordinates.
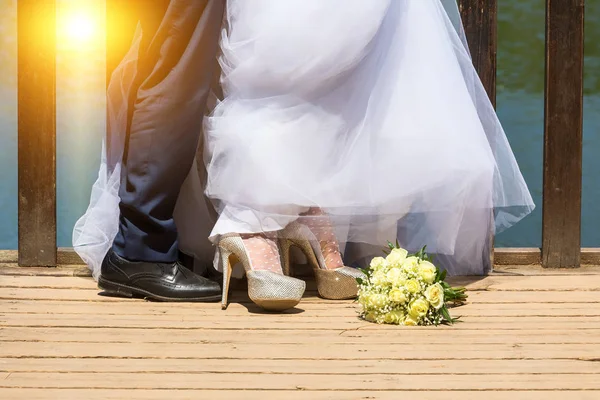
(517, 256)
(36, 40)
(563, 124)
(480, 22)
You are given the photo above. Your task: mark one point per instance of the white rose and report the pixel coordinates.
(435, 295)
(413, 286)
(396, 257)
(397, 296)
(396, 277)
(411, 264)
(379, 279)
(378, 263)
(378, 300)
(364, 299)
(427, 271)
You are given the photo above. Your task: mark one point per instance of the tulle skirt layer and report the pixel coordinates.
(371, 111)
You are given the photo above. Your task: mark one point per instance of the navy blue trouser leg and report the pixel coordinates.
(167, 103)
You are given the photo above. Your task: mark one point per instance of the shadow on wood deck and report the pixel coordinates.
(527, 334)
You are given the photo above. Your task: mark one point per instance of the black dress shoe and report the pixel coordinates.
(156, 281)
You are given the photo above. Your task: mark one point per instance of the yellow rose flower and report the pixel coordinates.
(435, 296)
(427, 271)
(411, 264)
(396, 257)
(378, 263)
(390, 318)
(370, 317)
(409, 321)
(413, 286)
(378, 300)
(364, 300)
(399, 315)
(396, 277)
(379, 279)
(418, 308)
(397, 296)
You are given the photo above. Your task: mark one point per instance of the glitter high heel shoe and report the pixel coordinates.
(268, 287)
(332, 283)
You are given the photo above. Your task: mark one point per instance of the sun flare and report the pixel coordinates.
(78, 29)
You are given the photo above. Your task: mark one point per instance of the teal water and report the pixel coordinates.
(80, 119)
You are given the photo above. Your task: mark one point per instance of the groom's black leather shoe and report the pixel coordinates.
(156, 281)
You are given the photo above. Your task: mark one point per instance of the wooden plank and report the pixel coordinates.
(590, 256)
(495, 297)
(282, 367)
(10, 269)
(310, 310)
(274, 322)
(65, 256)
(36, 38)
(68, 256)
(303, 351)
(563, 135)
(295, 394)
(9, 256)
(517, 256)
(546, 282)
(305, 382)
(289, 336)
(538, 270)
(53, 282)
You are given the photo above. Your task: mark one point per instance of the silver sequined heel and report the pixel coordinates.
(334, 284)
(267, 289)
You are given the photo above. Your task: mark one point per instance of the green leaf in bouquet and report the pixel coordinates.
(447, 318)
(397, 244)
(391, 245)
(457, 296)
(367, 272)
(443, 275)
(360, 281)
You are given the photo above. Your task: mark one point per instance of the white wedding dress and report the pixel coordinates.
(368, 109)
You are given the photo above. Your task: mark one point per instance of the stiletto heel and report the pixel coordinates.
(334, 284)
(285, 246)
(224, 259)
(269, 290)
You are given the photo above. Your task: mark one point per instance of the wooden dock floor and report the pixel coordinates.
(527, 334)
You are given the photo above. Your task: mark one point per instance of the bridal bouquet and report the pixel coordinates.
(405, 289)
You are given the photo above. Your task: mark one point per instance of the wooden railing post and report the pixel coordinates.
(563, 124)
(480, 23)
(36, 41)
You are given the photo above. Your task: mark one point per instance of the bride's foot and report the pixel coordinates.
(263, 252)
(320, 225)
(314, 236)
(268, 287)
